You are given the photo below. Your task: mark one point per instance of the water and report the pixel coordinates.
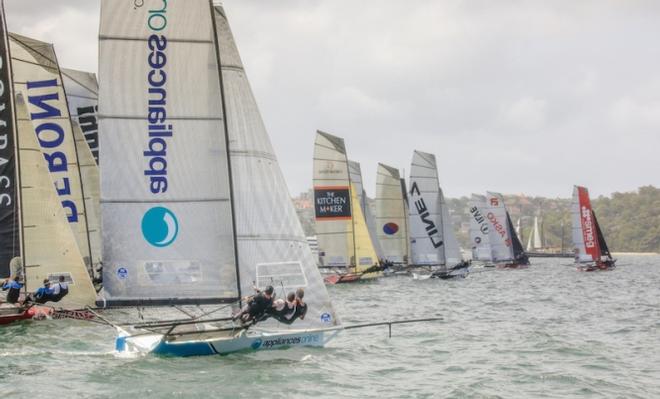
(547, 331)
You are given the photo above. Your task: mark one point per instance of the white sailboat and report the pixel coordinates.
(346, 249)
(199, 211)
(433, 241)
(534, 242)
(479, 230)
(507, 250)
(591, 251)
(392, 215)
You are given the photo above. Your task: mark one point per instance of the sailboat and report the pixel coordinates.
(507, 250)
(345, 245)
(392, 216)
(534, 242)
(36, 239)
(433, 241)
(479, 230)
(198, 212)
(591, 251)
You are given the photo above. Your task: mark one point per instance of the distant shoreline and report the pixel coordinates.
(636, 253)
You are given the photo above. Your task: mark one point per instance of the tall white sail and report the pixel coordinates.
(271, 243)
(499, 230)
(89, 172)
(168, 230)
(82, 92)
(50, 248)
(37, 76)
(426, 233)
(391, 215)
(332, 202)
(453, 254)
(538, 244)
(479, 229)
(355, 173)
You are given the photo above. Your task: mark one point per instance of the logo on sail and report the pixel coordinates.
(390, 228)
(160, 226)
(332, 203)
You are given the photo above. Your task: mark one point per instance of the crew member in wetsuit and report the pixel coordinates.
(301, 306)
(283, 309)
(14, 286)
(257, 306)
(60, 290)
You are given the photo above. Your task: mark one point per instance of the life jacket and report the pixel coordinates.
(63, 292)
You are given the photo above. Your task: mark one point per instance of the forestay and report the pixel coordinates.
(82, 91)
(499, 233)
(271, 243)
(479, 229)
(37, 76)
(391, 215)
(50, 248)
(426, 233)
(165, 186)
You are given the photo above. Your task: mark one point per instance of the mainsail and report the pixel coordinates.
(343, 235)
(479, 229)
(82, 92)
(10, 223)
(37, 76)
(534, 240)
(50, 246)
(588, 239)
(426, 232)
(165, 181)
(500, 228)
(271, 242)
(452, 250)
(355, 174)
(391, 215)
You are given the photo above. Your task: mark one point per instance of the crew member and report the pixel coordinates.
(43, 294)
(14, 286)
(60, 290)
(257, 306)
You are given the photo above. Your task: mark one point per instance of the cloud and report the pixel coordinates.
(512, 96)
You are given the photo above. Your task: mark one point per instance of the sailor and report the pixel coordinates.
(60, 290)
(257, 306)
(301, 306)
(14, 286)
(284, 310)
(43, 294)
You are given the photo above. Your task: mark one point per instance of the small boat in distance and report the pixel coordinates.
(507, 250)
(591, 251)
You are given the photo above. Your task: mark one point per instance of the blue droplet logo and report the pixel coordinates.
(256, 344)
(160, 226)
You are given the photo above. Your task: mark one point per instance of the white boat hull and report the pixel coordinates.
(219, 344)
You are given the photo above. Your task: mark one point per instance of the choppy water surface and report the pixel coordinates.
(547, 331)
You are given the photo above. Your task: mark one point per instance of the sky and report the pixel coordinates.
(511, 96)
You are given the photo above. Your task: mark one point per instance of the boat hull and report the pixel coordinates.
(9, 315)
(220, 344)
(596, 267)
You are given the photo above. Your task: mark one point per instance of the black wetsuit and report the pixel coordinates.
(259, 305)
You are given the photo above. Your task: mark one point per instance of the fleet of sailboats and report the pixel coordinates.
(157, 187)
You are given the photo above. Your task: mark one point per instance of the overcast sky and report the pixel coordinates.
(512, 96)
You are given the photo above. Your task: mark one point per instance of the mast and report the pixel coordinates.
(231, 179)
(10, 114)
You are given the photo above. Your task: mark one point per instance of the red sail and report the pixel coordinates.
(588, 222)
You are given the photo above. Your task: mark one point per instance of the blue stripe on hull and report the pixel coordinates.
(184, 349)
